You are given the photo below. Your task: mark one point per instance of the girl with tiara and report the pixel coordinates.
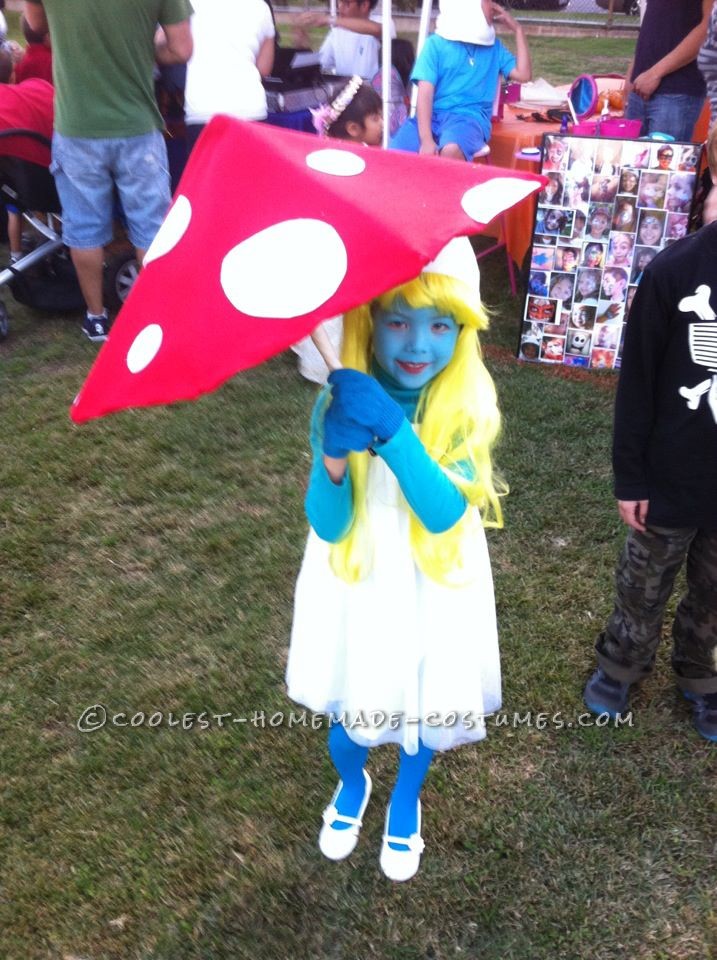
(355, 114)
(394, 629)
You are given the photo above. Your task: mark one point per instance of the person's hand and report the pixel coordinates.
(506, 19)
(15, 50)
(360, 399)
(646, 83)
(299, 37)
(342, 435)
(709, 210)
(428, 148)
(633, 513)
(309, 19)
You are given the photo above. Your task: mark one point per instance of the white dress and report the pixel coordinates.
(396, 643)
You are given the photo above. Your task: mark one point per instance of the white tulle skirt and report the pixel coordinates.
(397, 656)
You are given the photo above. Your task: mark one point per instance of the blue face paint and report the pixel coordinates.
(413, 344)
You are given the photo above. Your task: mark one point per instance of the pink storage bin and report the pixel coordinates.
(587, 128)
(620, 128)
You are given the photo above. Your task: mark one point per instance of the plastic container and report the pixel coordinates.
(587, 128)
(621, 128)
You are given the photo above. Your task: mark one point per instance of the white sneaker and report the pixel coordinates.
(400, 865)
(338, 844)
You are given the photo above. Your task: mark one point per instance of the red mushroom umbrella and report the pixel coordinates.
(271, 232)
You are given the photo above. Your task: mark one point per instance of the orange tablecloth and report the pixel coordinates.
(507, 138)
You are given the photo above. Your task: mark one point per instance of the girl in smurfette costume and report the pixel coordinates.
(394, 626)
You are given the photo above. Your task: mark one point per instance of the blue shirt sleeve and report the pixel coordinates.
(328, 505)
(427, 65)
(431, 494)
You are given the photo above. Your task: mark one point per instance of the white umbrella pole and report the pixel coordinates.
(386, 70)
(422, 34)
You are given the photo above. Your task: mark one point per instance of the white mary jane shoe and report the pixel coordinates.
(400, 865)
(338, 844)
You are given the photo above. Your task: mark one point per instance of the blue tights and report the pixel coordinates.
(349, 759)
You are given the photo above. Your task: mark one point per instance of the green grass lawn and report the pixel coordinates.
(148, 563)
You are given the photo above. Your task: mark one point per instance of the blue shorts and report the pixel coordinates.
(86, 171)
(457, 128)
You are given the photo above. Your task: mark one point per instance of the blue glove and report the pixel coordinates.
(361, 400)
(342, 435)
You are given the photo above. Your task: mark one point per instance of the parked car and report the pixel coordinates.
(537, 4)
(630, 7)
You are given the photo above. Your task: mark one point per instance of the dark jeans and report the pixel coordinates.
(645, 577)
(672, 113)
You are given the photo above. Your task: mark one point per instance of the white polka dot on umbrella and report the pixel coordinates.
(172, 230)
(338, 163)
(286, 270)
(145, 348)
(486, 200)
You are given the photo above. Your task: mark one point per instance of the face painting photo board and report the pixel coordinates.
(608, 208)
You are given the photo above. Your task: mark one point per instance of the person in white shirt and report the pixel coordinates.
(233, 50)
(352, 45)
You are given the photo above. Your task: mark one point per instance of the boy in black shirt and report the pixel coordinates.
(665, 466)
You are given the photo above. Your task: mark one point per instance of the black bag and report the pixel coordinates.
(50, 285)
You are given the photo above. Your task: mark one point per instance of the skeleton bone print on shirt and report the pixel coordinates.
(703, 347)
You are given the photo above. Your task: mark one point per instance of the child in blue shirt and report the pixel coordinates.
(457, 72)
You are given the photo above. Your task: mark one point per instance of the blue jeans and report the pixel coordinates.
(672, 113)
(86, 172)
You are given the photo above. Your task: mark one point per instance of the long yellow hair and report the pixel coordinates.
(458, 421)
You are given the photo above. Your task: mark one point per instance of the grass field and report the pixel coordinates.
(147, 565)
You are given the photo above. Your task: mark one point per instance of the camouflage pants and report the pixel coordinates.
(645, 577)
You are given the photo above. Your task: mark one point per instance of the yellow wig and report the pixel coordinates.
(458, 422)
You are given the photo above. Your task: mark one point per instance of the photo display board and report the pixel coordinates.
(610, 206)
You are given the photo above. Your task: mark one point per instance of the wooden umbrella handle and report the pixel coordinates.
(326, 348)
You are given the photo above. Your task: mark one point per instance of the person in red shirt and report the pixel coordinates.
(25, 106)
(37, 58)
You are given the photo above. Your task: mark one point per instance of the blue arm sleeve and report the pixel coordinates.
(431, 494)
(328, 505)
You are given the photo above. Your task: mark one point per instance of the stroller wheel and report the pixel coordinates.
(121, 271)
(4, 321)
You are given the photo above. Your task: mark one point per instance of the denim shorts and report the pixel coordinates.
(458, 128)
(86, 172)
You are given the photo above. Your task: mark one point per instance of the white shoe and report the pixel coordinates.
(338, 844)
(401, 865)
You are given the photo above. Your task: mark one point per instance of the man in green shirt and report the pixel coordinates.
(108, 129)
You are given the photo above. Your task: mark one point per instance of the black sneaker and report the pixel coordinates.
(704, 713)
(95, 328)
(603, 694)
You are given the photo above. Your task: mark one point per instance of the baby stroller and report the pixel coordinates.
(44, 278)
